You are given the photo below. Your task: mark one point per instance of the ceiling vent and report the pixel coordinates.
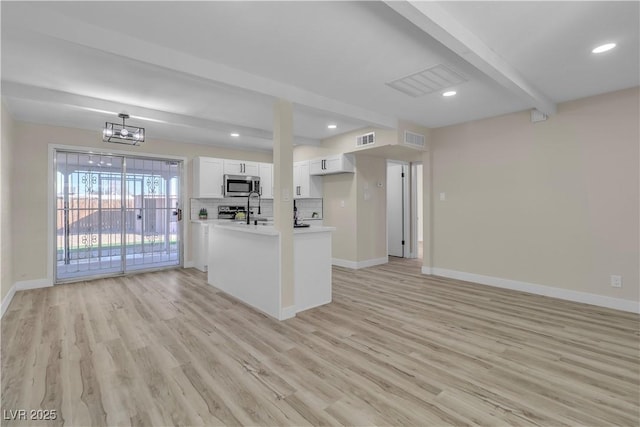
(538, 116)
(366, 139)
(414, 139)
(427, 81)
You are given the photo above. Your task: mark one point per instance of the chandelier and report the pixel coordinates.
(122, 133)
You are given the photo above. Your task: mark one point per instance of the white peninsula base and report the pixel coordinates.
(244, 261)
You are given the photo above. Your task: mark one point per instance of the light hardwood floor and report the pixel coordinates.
(394, 348)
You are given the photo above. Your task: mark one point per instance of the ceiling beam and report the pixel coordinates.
(435, 21)
(70, 30)
(109, 110)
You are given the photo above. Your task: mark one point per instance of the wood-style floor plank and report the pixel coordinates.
(394, 347)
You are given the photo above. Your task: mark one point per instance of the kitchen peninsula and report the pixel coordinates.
(244, 262)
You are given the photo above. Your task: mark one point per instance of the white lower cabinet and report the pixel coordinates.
(200, 236)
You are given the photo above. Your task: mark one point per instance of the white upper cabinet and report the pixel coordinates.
(240, 167)
(208, 178)
(338, 163)
(305, 186)
(265, 172)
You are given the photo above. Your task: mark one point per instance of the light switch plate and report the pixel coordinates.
(443, 196)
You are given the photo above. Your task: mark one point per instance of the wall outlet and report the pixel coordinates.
(616, 281)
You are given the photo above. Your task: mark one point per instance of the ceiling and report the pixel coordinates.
(199, 71)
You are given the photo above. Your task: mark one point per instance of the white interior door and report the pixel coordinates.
(396, 208)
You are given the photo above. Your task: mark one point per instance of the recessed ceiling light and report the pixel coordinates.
(235, 135)
(449, 93)
(604, 48)
(332, 126)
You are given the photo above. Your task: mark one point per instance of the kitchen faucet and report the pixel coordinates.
(249, 203)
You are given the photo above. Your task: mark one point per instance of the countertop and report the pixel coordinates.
(216, 220)
(268, 230)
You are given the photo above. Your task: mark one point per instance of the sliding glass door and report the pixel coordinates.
(115, 214)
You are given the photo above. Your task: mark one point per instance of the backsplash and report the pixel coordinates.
(306, 207)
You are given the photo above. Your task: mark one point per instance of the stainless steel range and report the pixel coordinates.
(229, 212)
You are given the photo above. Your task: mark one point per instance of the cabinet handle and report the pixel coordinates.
(222, 189)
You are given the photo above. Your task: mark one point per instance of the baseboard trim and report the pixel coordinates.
(189, 264)
(33, 284)
(344, 263)
(427, 270)
(355, 265)
(287, 312)
(549, 291)
(7, 299)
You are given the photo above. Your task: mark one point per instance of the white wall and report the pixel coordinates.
(553, 203)
(360, 221)
(6, 169)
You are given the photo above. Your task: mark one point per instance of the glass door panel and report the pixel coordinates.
(88, 215)
(152, 215)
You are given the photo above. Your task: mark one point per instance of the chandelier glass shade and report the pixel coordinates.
(120, 133)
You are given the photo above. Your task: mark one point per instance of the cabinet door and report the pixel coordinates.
(316, 167)
(303, 182)
(266, 180)
(208, 178)
(239, 167)
(296, 179)
(304, 185)
(339, 163)
(333, 164)
(200, 236)
(233, 167)
(251, 168)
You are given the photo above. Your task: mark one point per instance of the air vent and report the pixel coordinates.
(414, 139)
(427, 81)
(366, 139)
(537, 116)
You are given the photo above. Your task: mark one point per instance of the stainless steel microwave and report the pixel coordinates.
(240, 185)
